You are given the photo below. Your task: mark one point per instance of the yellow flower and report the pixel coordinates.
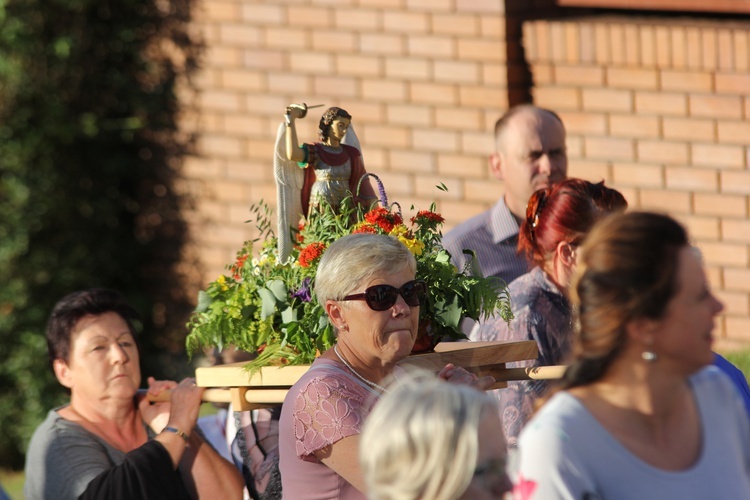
(222, 281)
(414, 245)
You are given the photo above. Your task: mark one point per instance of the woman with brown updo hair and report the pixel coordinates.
(641, 413)
(557, 220)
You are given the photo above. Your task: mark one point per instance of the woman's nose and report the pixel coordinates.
(401, 307)
(119, 354)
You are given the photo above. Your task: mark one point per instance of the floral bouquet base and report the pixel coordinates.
(267, 307)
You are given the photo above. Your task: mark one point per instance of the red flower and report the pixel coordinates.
(311, 253)
(384, 219)
(365, 228)
(426, 214)
(300, 227)
(237, 267)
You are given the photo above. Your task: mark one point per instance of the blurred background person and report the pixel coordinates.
(430, 440)
(641, 415)
(367, 285)
(105, 443)
(739, 379)
(557, 221)
(254, 448)
(529, 155)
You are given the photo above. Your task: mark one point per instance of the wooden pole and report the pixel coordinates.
(262, 398)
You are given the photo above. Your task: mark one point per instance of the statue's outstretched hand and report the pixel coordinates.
(295, 111)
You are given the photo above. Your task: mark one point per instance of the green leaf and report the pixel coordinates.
(289, 315)
(279, 290)
(443, 256)
(269, 303)
(204, 301)
(448, 313)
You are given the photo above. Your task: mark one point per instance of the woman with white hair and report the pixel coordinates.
(427, 439)
(367, 285)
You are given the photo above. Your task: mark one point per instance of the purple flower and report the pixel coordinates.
(381, 192)
(303, 293)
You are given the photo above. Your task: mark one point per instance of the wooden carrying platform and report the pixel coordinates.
(268, 386)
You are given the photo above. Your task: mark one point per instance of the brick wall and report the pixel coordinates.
(659, 109)
(424, 80)
(656, 109)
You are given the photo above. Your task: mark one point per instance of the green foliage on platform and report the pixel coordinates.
(89, 151)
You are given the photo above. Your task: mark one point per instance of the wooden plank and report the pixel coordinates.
(472, 355)
(251, 399)
(235, 375)
(469, 355)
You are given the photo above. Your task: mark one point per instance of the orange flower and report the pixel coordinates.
(311, 253)
(237, 267)
(426, 214)
(384, 219)
(364, 227)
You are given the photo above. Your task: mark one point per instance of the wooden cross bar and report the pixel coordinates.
(268, 386)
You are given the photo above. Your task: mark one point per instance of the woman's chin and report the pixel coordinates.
(399, 344)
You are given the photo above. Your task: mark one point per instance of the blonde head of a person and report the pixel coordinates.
(353, 259)
(423, 441)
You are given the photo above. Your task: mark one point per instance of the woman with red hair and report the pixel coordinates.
(557, 220)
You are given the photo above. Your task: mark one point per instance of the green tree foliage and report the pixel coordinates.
(89, 153)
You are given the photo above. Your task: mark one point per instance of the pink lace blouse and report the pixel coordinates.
(326, 405)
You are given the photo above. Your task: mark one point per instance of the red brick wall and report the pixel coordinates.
(425, 81)
(659, 110)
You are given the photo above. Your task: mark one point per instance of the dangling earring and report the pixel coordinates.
(649, 356)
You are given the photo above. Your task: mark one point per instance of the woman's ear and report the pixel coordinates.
(336, 315)
(566, 252)
(642, 331)
(62, 372)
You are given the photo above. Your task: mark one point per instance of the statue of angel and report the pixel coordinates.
(308, 174)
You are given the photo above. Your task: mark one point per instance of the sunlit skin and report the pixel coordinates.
(492, 455)
(530, 156)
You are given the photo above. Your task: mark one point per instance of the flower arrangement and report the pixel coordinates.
(266, 306)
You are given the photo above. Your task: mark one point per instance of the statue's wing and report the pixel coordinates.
(351, 138)
(289, 181)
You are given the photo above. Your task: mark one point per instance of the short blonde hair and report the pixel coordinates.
(421, 440)
(356, 257)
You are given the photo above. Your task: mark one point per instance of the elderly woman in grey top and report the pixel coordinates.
(108, 443)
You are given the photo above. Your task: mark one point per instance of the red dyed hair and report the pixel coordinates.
(566, 212)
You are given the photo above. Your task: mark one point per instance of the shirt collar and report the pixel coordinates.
(502, 223)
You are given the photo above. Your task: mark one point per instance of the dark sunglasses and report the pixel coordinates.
(382, 297)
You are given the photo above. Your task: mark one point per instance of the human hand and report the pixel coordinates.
(156, 414)
(186, 401)
(457, 375)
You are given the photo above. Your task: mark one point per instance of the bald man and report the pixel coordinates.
(529, 155)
